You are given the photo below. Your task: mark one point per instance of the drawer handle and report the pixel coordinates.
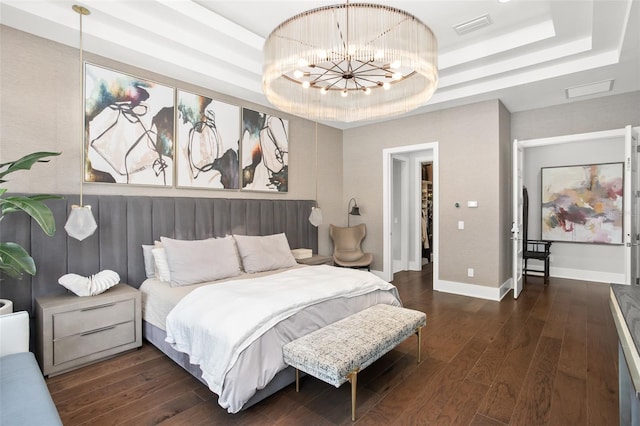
(106, 305)
(99, 330)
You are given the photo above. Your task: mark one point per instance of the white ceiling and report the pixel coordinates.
(527, 57)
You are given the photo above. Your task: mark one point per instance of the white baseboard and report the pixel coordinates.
(474, 290)
(585, 275)
(399, 265)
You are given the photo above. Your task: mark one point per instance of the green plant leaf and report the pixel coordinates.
(14, 260)
(35, 208)
(25, 162)
(9, 208)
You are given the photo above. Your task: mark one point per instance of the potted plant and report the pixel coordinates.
(14, 259)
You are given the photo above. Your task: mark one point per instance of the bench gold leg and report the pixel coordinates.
(353, 378)
(297, 380)
(419, 333)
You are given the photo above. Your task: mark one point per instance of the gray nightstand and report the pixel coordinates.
(74, 331)
(316, 260)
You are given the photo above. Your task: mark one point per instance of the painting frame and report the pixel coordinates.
(583, 203)
(129, 129)
(264, 151)
(207, 150)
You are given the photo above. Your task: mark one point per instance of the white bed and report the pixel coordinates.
(255, 364)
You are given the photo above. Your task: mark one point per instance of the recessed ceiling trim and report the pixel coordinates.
(492, 46)
(524, 77)
(517, 62)
(207, 17)
(589, 89)
(473, 24)
(128, 13)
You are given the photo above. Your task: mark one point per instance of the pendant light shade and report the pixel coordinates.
(350, 62)
(81, 223)
(316, 216)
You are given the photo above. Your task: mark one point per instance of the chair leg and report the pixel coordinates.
(546, 270)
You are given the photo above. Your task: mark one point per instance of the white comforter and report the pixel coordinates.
(214, 324)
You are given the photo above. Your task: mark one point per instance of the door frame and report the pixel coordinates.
(517, 248)
(387, 208)
(631, 206)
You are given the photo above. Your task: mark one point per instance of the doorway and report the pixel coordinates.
(626, 270)
(402, 208)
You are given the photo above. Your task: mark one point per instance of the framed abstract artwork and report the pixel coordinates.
(128, 128)
(265, 152)
(583, 204)
(208, 138)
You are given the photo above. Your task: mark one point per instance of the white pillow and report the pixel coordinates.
(264, 253)
(197, 261)
(161, 264)
(149, 262)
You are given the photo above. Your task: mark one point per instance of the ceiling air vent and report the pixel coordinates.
(473, 24)
(589, 89)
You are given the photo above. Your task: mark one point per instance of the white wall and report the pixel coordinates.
(595, 262)
(468, 141)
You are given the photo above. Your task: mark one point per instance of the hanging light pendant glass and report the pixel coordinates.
(350, 62)
(81, 223)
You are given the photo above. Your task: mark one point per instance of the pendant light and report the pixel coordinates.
(81, 223)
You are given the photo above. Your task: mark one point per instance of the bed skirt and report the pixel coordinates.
(156, 337)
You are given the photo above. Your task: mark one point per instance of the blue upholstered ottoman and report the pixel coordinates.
(24, 397)
(336, 353)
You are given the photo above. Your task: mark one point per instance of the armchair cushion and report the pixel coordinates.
(14, 329)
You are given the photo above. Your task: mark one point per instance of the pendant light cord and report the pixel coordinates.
(316, 163)
(81, 10)
(81, 116)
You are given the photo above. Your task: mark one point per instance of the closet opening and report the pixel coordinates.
(426, 212)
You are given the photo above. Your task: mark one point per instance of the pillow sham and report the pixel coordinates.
(264, 253)
(162, 266)
(196, 261)
(149, 262)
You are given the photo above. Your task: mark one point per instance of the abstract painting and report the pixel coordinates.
(265, 152)
(583, 203)
(207, 143)
(128, 129)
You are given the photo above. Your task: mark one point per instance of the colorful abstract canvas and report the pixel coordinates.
(265, 152)
(129, 125)
(583, 203)
(208, 143)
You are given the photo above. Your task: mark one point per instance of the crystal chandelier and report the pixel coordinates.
(350, 62)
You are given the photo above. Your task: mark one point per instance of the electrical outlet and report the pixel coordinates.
(470, 272)
(461, 224)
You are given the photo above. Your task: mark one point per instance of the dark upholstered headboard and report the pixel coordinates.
(125, 223)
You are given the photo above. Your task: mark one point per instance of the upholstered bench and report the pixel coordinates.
(336, 353)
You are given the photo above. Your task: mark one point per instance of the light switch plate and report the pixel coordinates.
(472, 204)
(461, 224)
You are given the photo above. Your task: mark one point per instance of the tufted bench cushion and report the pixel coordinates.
(335, 353)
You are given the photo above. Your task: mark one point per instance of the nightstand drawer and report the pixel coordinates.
(94, 341)
(92, 318)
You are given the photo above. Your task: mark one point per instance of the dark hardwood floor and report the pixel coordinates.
(549, 358)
